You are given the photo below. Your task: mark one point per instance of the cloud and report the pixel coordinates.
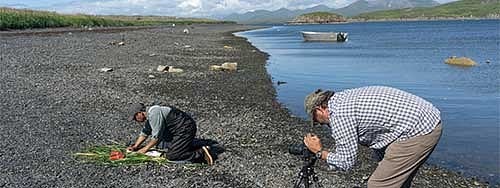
(183, 8)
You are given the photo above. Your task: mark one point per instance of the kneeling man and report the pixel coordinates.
(171, 130)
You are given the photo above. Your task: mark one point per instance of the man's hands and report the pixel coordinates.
(313, 143)
(132, 148)
(143, 150)
(137, 149)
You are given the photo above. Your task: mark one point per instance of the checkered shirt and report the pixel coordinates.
(375, 116)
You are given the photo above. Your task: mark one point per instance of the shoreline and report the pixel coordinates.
(436, 166)
(395, 20)
(51, 88)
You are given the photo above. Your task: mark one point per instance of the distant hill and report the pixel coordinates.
(363, 6)
(267, 17)
(318, 17)
(283, 15)
(458, 9)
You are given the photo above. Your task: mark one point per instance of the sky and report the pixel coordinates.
(180, 8)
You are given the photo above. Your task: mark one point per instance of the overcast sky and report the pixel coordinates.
(182, 8)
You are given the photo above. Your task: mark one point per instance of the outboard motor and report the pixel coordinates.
(341, 37)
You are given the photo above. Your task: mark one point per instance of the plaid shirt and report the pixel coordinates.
(375, 116)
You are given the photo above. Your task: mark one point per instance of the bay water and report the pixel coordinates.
(409, 56)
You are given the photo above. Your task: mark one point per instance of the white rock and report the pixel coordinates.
(230, 66)
(151, 76)
(161, 68)
(215, 68)
(171, 69)
(105, 69)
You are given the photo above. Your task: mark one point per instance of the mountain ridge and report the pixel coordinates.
(283, 15)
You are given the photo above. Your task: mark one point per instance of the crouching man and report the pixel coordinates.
(402, 127)
(171, 130)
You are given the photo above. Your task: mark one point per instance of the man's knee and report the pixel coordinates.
(174, 156)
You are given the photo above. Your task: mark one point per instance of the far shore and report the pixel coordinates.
(396, 20)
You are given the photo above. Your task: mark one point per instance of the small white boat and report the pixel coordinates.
(324, 36)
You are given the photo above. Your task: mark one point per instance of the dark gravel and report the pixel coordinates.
(55, 102)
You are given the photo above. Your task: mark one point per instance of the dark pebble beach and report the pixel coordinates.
(55, 101)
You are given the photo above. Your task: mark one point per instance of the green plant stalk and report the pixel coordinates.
(100, 155)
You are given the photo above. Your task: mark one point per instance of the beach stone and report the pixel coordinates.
(172, 69)
(161, 68)
(366, 177)
(230, 66)
(215, 68)
(460, 61)
(105, 69)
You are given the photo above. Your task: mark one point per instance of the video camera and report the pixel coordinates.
(300, 149)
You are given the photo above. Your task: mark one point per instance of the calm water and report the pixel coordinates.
(409, 56)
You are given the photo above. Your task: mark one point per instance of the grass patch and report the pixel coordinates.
(458, 9)
(101, 155)
(26, 19)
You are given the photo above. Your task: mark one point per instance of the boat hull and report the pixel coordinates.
(324, 36)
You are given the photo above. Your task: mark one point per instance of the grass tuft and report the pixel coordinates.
(27, 19)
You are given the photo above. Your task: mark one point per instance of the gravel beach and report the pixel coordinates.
(54, 102)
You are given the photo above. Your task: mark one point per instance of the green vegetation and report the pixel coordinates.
(321, 14)
(101, 155)
(318, 17)
(459, 9)
(26, 19)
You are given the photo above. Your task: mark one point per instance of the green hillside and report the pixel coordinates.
(25, 19)
(318, 17)
(458, 9)
(321, 14)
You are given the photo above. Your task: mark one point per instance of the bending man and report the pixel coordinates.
(171, 130)
(400, 126)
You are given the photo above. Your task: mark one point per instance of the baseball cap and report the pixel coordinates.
(134, 109)
(311, 101)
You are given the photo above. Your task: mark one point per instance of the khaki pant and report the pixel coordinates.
(402, 160)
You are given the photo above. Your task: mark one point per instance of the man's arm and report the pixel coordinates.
(138, 142)
(346, 141)
(148, 146)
